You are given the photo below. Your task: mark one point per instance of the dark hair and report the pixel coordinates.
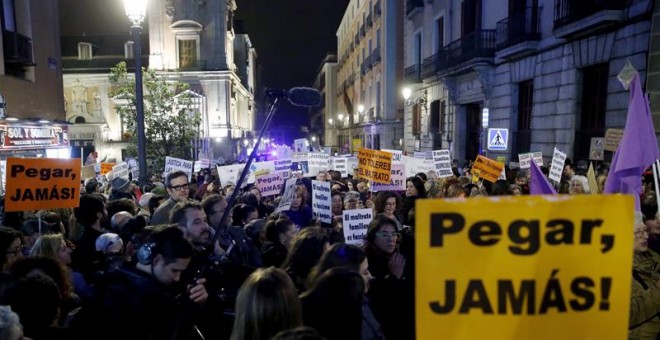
(89, 206)
(178, 213)
(7, 236)
(250, 199)
(210, 201)
(267, 303)
(381, 199)
(376, 224)
(275, 228)
(337, 294)
(306, 250)
(240, 212)
(501, 188)
(422, 176)
(121, 204)
(36, 300)
(419, 185)
(173, 175)
(170, 243)
(154, 202)
(56, 270)
(339, 255)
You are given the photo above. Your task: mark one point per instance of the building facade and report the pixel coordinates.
(369, 75)
(30, 79)
(546, 70)
(326, 84)
(194, 44)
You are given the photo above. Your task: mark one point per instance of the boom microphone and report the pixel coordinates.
(298, 96)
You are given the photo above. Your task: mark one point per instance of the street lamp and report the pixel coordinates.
(135, 11)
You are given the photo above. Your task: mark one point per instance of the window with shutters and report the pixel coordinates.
(417, 119)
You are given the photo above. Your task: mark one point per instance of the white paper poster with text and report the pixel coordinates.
(415, 165)
(355, 225)
(317, 162)
(397, 180)
(287, 198)
(120, 170)
(284, 166)
(341, 165)
(175, 164)
(442, 160)
(557, 167)
(525, 159)
(270, 184)
(321, 201)
(229, 174)
(396, 155)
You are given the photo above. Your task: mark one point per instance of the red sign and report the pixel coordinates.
(33, 137)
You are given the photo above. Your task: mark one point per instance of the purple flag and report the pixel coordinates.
(538, 184)
(638, 148)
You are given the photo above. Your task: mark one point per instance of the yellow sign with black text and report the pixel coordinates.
(489, 169)
(533, 267)
(375, 165)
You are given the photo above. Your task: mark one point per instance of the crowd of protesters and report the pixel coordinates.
(139, 263)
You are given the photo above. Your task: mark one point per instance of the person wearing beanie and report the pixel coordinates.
(121, 188)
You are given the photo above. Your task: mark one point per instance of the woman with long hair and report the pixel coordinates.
(267, 303)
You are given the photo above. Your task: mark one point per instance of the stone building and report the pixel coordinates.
(369, 73)
(546, 70)
(193, 43)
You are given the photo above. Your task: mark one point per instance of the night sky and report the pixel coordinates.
(291, 37)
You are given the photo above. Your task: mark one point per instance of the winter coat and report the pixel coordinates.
(645, 297)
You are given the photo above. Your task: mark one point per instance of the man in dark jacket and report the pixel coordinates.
(144, 301)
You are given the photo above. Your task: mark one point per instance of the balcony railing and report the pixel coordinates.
(363, 30)
(104, 63)
(377, 9)
(430, 65)
(363, 69)
(478, 44)
(521, 26)
(370, 21)
(196, 65)
(412, 5)
(375, 55)
(413, 74)
(570, 11)
(369, 62)
(357, 38)
(17, 48)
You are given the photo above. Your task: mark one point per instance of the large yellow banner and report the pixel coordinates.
(534, 267)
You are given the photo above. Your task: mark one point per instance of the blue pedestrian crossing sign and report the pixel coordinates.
(498, 139)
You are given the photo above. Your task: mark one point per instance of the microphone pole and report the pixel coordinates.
(210, 247)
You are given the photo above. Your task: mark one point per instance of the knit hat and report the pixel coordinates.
(120, 184)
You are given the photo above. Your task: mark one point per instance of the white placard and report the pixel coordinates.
(321, 201)
(270, 184)
(525, 159)
(283, 166)
(442, 160)
(341, 165)
(397, 180)
(355, 224)
(416, 165)
(175, 164)
(557, 167)
(120, 170)
(396, 155)
(287, 198)
(228, 174)
(317, 162)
